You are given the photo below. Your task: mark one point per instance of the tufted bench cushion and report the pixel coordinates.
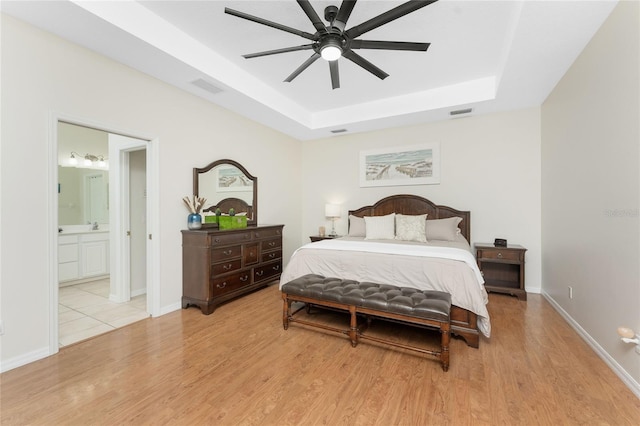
(408, 305)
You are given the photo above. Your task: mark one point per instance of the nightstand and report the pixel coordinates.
(315, 238)
(502, 268)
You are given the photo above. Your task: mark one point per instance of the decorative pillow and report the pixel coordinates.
(380, 227)
(411, 227)
(356, 226)
(443, 229)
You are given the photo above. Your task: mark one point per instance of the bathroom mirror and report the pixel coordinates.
(83, 190)
(227, 184)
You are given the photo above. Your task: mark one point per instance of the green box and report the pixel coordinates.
(232, 222)
(211, 219)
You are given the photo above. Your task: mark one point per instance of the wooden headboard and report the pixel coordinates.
(235, 203)
(413, 205)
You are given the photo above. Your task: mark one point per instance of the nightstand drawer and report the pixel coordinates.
(500, 254)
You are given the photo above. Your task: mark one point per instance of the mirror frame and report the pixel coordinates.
(198, 171)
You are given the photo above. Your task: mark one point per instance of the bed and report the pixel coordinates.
(444, 262)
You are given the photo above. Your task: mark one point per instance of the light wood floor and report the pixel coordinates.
(239, 367)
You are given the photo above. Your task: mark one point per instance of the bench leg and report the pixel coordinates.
(444, 350)
(286, 311)
(353, 329)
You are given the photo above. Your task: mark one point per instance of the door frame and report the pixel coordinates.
(153, 226)
(119, 214)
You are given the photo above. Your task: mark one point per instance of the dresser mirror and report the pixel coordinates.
(226, 184)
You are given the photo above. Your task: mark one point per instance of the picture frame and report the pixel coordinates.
(408, 165)
(231, 179)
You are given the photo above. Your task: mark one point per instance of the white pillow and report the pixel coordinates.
(443, 229)
(380, 227)
(356, 226)
(411, 227)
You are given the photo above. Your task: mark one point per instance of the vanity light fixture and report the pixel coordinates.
(89, 159)
(73, 160)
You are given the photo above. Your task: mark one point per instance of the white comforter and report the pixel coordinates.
(448, 267)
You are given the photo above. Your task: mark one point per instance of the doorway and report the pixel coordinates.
(127, 199)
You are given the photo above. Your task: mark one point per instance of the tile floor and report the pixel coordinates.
(85, 311)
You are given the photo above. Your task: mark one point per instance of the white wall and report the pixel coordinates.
(41, 75)
(490, 165)
(591, 185)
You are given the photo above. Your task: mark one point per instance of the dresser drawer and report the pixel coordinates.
(231, 282)
(271, 255)
(226, 253)
(267, 233)
(250, 253)
(226, 267)
(499, 254)
(271, 244)
(269, 270)
(222, 238)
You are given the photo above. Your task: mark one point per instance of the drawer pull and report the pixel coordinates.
(499, 255)
(277, 267)
(260, 273)
(217, 240)
(272, 244)
(223, 285)
(227, 252)
(244, 278)
(247, 236)
(227, 267)
(272, 255)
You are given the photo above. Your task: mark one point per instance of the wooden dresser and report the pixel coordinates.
(221, 265)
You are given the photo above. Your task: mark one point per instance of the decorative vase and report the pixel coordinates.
(194, 221)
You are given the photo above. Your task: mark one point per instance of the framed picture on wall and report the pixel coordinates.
(409, 165)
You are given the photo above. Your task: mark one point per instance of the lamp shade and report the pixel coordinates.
(332, 210)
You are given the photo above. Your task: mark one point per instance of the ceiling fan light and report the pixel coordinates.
(331, 53)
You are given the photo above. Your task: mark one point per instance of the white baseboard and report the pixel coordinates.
(170, 308)
(138, 292)
(599, 350)
(25, 359)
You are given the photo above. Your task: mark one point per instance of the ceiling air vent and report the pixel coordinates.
(205, 85)
(460, 112)
(339, 131)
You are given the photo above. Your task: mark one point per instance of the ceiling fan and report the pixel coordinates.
(332, 41)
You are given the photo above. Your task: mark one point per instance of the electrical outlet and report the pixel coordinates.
(570, 292)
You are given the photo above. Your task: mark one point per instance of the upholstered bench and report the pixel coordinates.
(406, 305)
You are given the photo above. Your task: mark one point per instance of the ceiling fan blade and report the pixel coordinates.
(313, 16)
(303, 67)
(335, 76)
(343, 14)
(359, 60)
(276, 51)
(269, 23)
(389, 45)
(393, 14)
